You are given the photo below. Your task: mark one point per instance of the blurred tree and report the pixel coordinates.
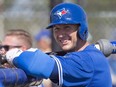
(53, 3)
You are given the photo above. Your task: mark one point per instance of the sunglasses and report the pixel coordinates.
(7, 47)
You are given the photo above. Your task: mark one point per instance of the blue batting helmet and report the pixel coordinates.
(70, 13)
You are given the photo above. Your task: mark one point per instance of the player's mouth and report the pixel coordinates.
(64, 42)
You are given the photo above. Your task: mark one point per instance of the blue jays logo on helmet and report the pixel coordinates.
(61, 12)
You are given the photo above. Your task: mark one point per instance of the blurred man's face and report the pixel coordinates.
(66, 36)
(8, 43)
(11, 42)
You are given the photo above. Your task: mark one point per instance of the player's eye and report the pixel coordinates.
(55, 29)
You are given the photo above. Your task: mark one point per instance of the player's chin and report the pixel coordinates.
(66, 48)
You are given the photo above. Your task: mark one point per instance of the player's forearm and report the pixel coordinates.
(35, 63)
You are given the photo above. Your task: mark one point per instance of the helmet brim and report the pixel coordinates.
(52, 24)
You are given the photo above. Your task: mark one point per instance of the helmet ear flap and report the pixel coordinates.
(83, 32)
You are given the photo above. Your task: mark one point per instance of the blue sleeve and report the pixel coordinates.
(77, 69)
(35, 63)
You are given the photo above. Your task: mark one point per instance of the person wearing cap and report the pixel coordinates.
(43, 40)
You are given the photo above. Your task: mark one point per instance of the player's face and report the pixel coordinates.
(66, 36)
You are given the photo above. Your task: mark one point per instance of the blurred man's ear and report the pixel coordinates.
(23, 48)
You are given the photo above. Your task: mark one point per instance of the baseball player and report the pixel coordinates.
(82, 65)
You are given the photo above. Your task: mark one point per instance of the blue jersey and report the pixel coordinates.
(87, 68)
